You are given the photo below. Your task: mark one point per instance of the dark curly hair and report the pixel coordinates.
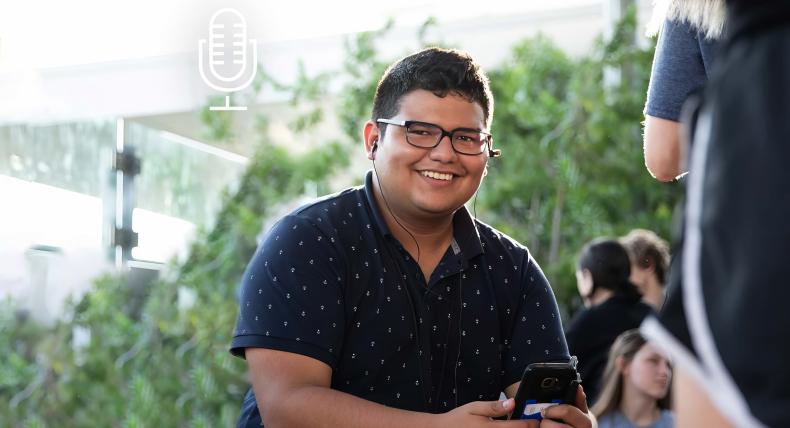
(440, 71)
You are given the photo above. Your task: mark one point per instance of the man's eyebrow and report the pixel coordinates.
(471, 128)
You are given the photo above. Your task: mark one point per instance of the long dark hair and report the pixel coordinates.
(626, 346)
(607, 260)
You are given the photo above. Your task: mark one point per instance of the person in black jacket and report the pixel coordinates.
(613, 305)
(725, 321)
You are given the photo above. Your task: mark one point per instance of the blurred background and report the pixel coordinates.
(129, 208)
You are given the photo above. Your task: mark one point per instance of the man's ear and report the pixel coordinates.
(371, 136)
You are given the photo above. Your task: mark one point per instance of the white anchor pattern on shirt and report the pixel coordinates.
(342, 297)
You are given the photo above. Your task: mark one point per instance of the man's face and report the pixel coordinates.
(584, 284)
(421, 182)
(638, 276)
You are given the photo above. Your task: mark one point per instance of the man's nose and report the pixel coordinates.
(444, 151)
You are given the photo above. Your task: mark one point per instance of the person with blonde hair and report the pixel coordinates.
(684, 57)
(635, 386)
(725, 321)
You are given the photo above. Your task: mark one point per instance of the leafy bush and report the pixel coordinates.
(572, 167)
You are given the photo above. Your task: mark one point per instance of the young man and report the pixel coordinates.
(388, 305)
(649, 256)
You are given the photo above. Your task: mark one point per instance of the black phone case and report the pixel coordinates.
(530, 389)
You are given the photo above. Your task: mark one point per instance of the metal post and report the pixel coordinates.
(125, 166)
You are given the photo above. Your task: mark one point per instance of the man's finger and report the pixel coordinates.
(568, 414)
(548, 423)
(581, 399)
(491, 408)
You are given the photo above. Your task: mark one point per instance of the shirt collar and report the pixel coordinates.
(465, 233)
(374, 207)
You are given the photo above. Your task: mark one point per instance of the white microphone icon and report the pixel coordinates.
(227, 55)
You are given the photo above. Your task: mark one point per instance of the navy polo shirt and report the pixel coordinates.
(331, 282)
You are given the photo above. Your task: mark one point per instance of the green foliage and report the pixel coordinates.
(220, 123)
(572, 169)
(362, 66)
(572, 166)
(164, 363)
(16, 368)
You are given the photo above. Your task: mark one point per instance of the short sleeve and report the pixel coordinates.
(537, 333)
(291, 294)
(678, 70)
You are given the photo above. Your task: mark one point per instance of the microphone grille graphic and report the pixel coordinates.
(228, 58)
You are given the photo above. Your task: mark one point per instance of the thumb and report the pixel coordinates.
(491, 408)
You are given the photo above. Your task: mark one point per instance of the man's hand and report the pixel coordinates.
(479, 413)
(566, 415)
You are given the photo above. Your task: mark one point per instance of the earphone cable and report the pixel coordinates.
(393, 214)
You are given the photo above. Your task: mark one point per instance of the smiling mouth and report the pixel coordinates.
(437, 175)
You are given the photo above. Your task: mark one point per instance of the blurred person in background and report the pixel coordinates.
(685, 53)
(613, 305)
(636, 381)
(649, 264)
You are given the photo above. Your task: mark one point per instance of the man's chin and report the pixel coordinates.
(438, 210)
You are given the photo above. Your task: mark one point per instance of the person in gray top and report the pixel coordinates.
(636, 386)
(684, 57)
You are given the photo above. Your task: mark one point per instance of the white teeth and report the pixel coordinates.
(437, 175)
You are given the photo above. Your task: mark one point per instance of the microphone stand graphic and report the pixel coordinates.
(227, 55)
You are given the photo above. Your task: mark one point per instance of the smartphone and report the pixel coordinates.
(544, 385)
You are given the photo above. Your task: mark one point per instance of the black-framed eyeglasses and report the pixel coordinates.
(465, 141)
